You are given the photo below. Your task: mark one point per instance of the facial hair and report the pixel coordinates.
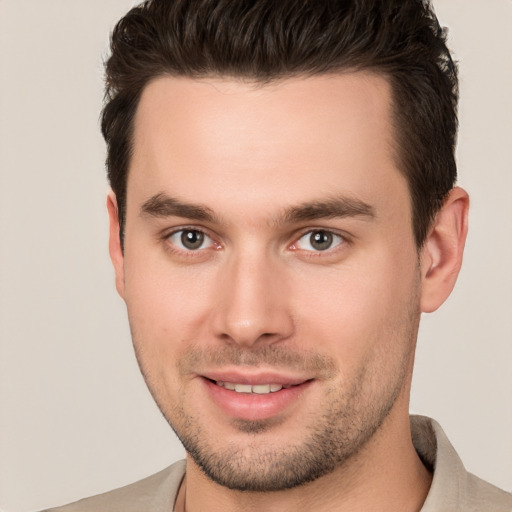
(352, 413)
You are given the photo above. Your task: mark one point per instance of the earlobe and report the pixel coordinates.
(441, 254)
(114, 245)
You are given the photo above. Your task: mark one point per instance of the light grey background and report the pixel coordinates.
(75, 417)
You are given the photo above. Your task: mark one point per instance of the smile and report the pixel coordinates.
(255, 397)
(258, 389)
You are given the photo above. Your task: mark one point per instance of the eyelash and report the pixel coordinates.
(336, 238)
(184, 251)
(342, 240)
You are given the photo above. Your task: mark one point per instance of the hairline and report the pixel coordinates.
(258, 82)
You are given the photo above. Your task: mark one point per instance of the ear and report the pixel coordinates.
(441, 254)
(114, 243)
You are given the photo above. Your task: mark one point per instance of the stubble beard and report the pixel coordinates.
(330, 440)
(350, 419)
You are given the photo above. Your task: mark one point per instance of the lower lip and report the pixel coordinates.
(251, 406)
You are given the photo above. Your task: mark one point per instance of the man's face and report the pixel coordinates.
(270, 271)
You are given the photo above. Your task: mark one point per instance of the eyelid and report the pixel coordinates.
(166, 237)
(343, 239)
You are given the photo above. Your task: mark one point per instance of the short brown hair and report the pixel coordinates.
(265, 40)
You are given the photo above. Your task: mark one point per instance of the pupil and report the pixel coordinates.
(321, 240)
(192, 239)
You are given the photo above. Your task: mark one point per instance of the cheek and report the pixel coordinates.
(167, 306)
(355, 309)
(166, 313)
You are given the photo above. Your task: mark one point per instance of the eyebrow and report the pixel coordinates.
(161, 205)
(331, 208)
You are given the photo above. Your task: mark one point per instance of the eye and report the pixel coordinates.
(190, 240)
(318, 240)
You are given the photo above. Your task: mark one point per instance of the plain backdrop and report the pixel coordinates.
(75, 416)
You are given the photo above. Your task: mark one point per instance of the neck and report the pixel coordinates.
(386, 475)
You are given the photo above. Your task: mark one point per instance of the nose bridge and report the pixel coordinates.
(252, 304)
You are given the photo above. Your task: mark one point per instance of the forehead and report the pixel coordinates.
(232, 141)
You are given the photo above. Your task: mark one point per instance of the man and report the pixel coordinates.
(283, 209)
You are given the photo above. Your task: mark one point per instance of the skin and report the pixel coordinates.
(258, 301)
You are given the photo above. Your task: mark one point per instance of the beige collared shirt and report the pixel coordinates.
(453, 489)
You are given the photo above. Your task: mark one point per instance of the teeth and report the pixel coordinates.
(258, 389)
(261, 389)
(243, 388)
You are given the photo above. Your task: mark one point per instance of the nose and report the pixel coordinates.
(253, 302)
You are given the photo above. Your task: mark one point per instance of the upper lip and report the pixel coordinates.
(254, 377)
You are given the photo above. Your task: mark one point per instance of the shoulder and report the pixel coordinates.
(155, 493)
(481, 495)
(453, 488)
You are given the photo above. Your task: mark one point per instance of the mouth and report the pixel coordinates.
(256, 389)
(260, 397)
